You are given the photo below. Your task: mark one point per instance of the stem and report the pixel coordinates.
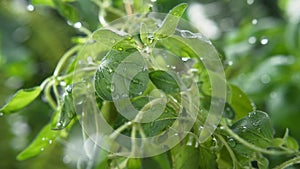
(252, 146)
(133, 140)
(120, 129)
(128, 7)
(64, 58)
(231, 153)
(48, 95)
(288, 163)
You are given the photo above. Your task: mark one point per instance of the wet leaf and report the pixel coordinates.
(21, 99)
(164, 81)
(256, 128)
(67, 112)
(44, 139)
(170, 22)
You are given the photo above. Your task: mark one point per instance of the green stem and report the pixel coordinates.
(231, 153)
(288, 163)
(120, 129)
(133, 140)
(64, 58)
(48, 94)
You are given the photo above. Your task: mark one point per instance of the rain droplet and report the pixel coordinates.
(113, 41)
(190, 141)
(231, 142)
(265, 79)
(43, 139)
(77, 25)
(1, 114)
(140, 93)
(185, 59)
(153, 0)
(173, 67)
(243, 128)
(30, 7)
(58, 124)
(252, 40)
(264, 41)
(50, 141)
(176, 134)
(42, 149)
(230, 63)
(250, 2)
(62, 83)
(254, 21)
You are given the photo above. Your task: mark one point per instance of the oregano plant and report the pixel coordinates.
(150, 92)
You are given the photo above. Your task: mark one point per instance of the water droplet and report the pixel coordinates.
(250, 2)
(62, 83)
(110, 70)
(1, 114)
(113, 41)
(190, 141)
(254, 21)
(265, 79)
(120, 48)
(243, 128)
(42, 149)
(58, 124)
(256, 123)
(30, 7)
(231, 142)
(252, 40)
(176, 134)
(153, 0)
(173, 67)
(77, 25)
(140, 93)
(43, 139)
(90, 60)
(50, 141)
(264, 41)
(185, 59)
(230, 63)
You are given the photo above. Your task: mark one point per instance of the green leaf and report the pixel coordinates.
(107, 38)
(21, 99)
(134, 163)
(67, 10)
(184, 157)
(171, 21)
(43, 2)
(67, 112)
(207, 159)
(111, 62)
(256, 128)
(164, 81)
(239, 102)
(44, 139)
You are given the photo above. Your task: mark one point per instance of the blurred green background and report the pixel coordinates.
(259, 38)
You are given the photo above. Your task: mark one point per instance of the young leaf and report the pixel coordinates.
(67, 112)
(134, 163)
(21, 99)
(171, 21)
(164, 81)
(42, 141)
(67, 10)
(239, 102)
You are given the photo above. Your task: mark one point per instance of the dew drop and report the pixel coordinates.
(58, 124)
(265, 79)
(250, 2)
(1, 114)
(243, 128)
(176, 134)
(190, 141)
(43, 139)
(252, 40)
(30, 7)
(113, 41)
(153, 0)
(42, 149)
(173, 67)
(50, 141)
(231, 142)
(185, 59)
(264, 41)
(77, 25)
(140, 93)
(254, 21)
(230, 63)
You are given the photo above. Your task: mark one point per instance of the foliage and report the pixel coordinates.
(243, 139)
